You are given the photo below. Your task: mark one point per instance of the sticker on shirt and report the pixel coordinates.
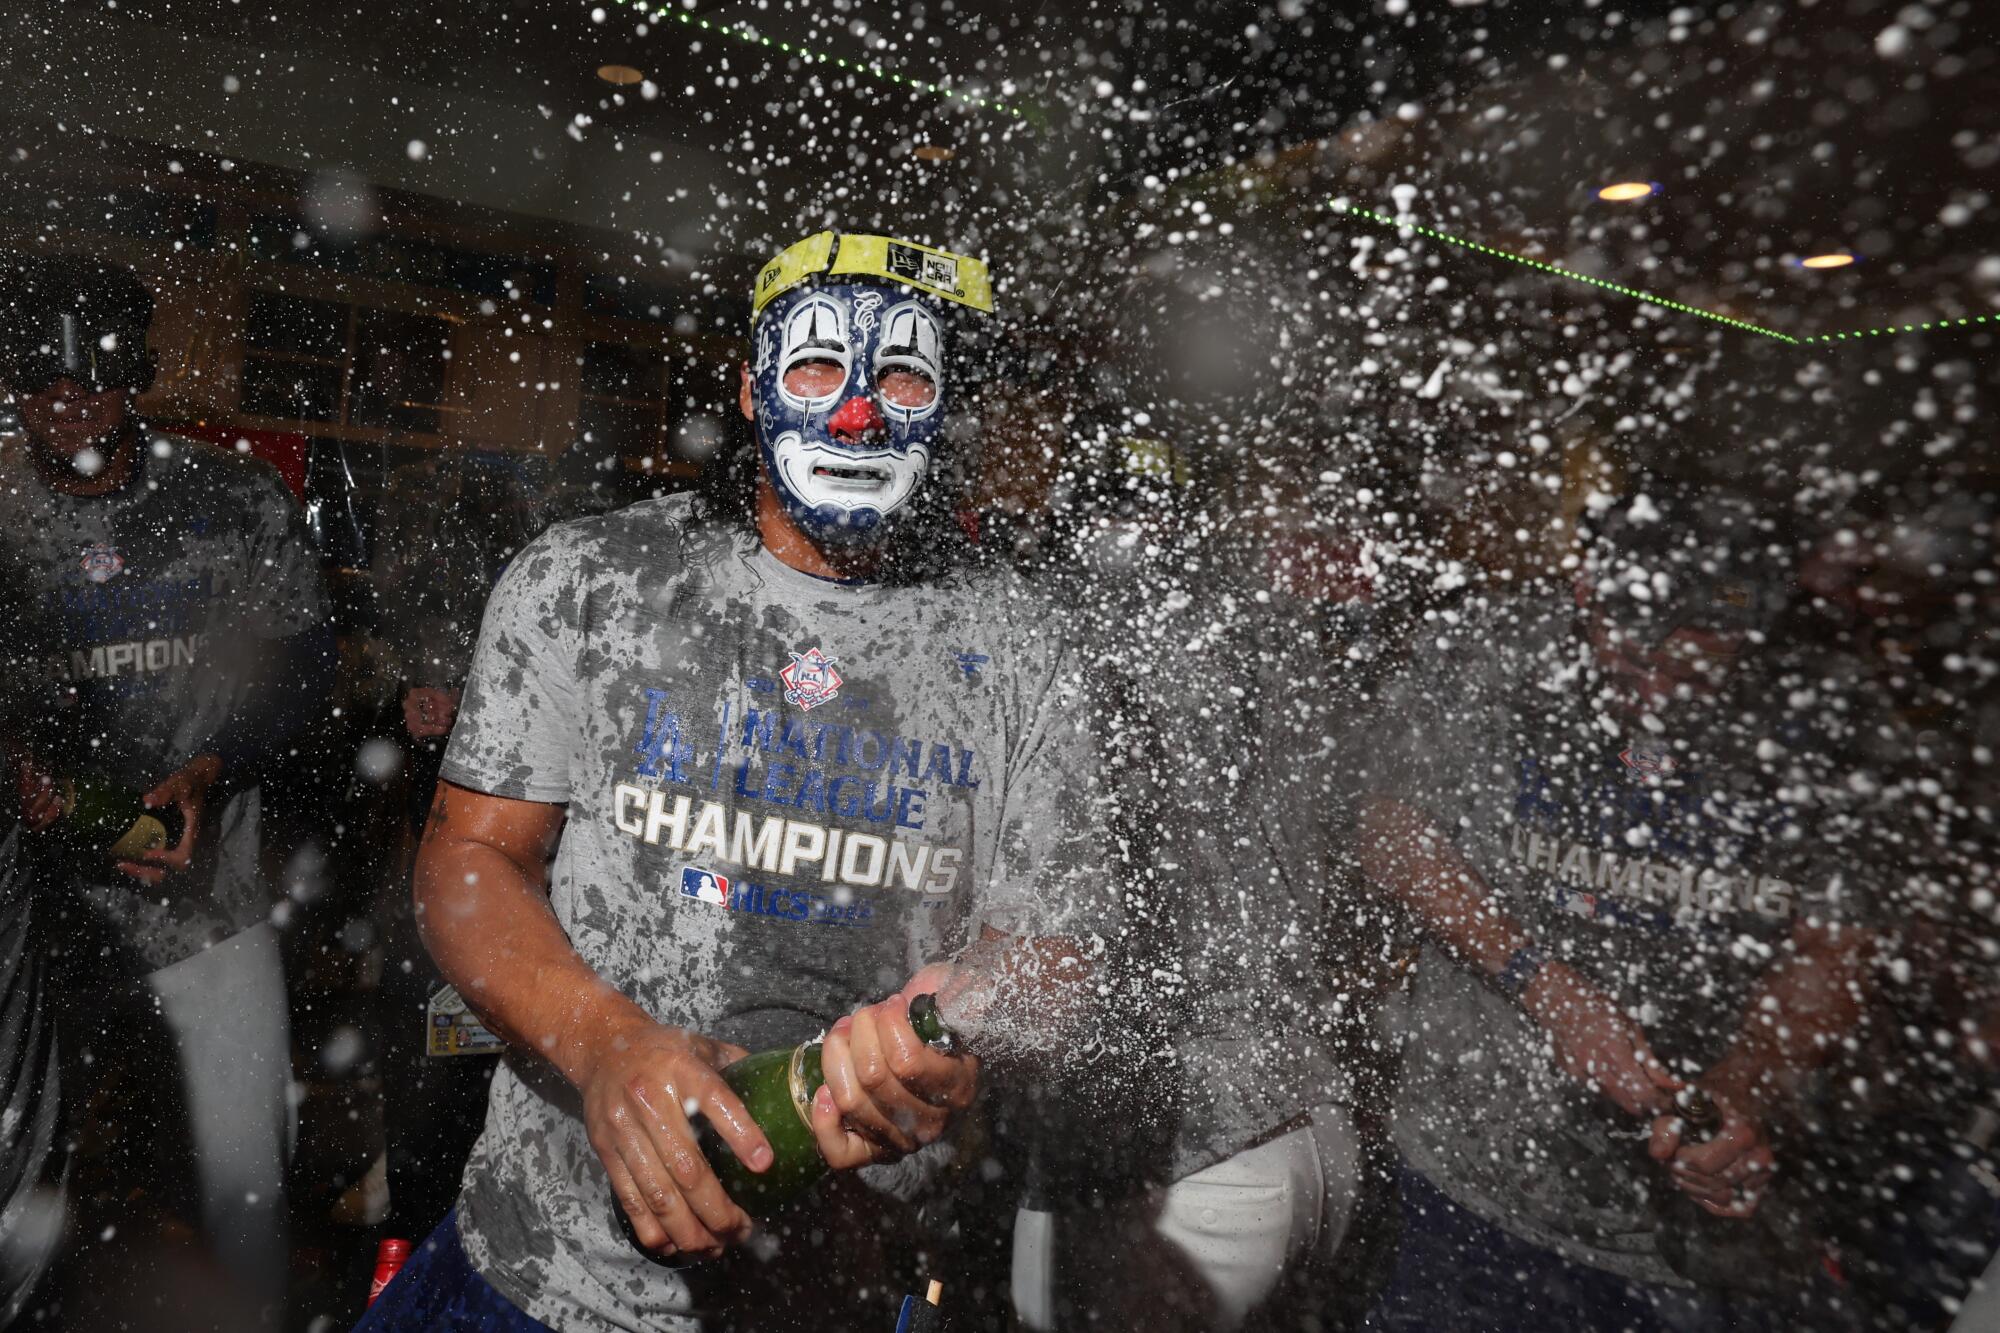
(1651, 761)
(101, 562)
(812, 678)
(796, 905)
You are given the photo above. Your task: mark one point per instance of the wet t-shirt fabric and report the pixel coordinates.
(784, 796)
(144, 610)
(1668, 866)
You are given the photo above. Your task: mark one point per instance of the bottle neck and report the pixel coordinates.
(929, 1025)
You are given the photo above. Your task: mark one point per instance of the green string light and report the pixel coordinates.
(743, 33)
(1816, 339)
(1939, 325)
(1561, 272)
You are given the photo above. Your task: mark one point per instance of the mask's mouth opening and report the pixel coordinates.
(854, 476)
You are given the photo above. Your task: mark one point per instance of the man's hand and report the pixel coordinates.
(428, 711)
(639, 1091)
(887, 1093)
(1727, 1174)
(1597, 1044)
(41, 800)
(481, 889)
(186, 789)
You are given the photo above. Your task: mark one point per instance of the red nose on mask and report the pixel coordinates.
(857, 419)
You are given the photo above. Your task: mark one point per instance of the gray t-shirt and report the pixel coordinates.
(145, 606)
(785, 795)
(1666, 866)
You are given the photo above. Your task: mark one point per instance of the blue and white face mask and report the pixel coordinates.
(847, 462)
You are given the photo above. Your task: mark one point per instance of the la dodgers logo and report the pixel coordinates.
(811, 679)
(101, 562)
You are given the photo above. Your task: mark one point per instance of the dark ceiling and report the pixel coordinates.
(1775, 130)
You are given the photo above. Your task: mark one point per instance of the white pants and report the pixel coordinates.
(226, 1009)
(1239, 1225)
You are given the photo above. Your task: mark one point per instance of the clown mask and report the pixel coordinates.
(848, 385)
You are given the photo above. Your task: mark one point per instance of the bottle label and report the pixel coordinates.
(795, 1078)
(451, 1028)
(147, 834)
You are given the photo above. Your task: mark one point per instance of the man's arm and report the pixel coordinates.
(1806, 1004)
(888, 1093)
(1402, 851)
(1803, 1007)
(256, 737)
(481, 888)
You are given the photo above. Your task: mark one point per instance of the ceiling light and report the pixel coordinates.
(622, 75)
(1626, 191)
(934, 152)
(1837, 259)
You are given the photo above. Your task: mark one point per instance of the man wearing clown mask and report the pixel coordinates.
(847, 393)
(721, 787)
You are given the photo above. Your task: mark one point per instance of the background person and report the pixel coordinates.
(1254, 1188)
(175, 614)
(1638, 870)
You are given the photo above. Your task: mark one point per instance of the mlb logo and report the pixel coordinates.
(705, 886)
(1649, 760)
(1578, 904)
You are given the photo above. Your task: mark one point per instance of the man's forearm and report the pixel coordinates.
(1802, 1009)
(488, 923)
(1404, 853)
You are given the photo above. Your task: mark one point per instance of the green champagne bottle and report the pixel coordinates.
(1771, 1254)
(101, 818)
(777, 1089)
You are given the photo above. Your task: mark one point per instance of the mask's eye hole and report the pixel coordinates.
(817, 378)
(906, 388)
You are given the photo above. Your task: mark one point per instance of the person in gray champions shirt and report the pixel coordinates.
(777, 777)
(175, 619)
(1634, 858)
(1198, 666)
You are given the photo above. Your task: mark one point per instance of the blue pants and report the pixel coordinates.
(437, 1292)
(1456, 1271)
